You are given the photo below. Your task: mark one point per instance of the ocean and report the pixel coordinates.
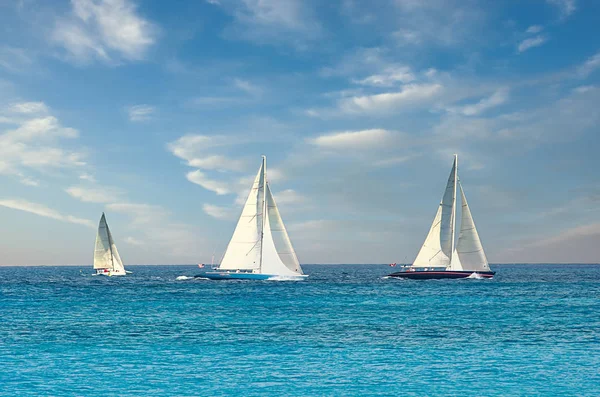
(533, 330)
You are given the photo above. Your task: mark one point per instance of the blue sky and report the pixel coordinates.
(157, 113)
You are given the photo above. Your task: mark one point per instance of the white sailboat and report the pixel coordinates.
(107, 261)
(260, 248)
(439, 257)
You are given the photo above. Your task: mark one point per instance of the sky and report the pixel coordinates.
(157, 113)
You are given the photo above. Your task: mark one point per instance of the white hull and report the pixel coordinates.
(109, 273)
(233, 275)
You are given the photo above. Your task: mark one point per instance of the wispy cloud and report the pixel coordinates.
(272, 21)
(35, 140)
(409, 96)
(140, 112)
(94, 194)
(106, 30)
(589, 66)
(218, 212)
(531, 43)
(248, 87)
(196, 151)
(158, 230)
(438, 22)
(199, 178)
(133, 241)
(354, 140)
(566, 7)
(389, 77)
(210, 153)
(42, 210)
(497, 98)
(535, 29)
(15, 60)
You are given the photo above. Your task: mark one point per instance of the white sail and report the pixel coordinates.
(244, 249)
(469, 247)
(102, 253)
(438, 246)
(106, 255)
(276, 233)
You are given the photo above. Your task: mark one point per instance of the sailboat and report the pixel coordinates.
(107, 261)
(439, 257)
(260, 248)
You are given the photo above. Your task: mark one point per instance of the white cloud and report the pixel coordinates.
(217, 162)
(272, 21)
(15, 60)
(389, 77)
(497, 98)
(36, 142)
(42, 210)
(94, 195)
(289, 196)
(411, 95)
(140, 112)
(29, 181)
(29, 108)
(218, 212)
(133, 241)
(353, 140)
(87, 177)
(199, 178)
(248, 87)
(196, 151)
(531, 43)
(108, 30)
(159, 232)
(440, 22)
(589, 66)
(535, 29)
(569, 234)
(566, 7)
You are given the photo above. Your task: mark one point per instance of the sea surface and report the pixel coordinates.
(534, 330)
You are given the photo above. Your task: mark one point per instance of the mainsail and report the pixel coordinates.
(437, 249)
(244, 249)
(106, 255)
(260, 241)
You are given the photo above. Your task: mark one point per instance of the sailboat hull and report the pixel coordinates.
(222, 275)
(108, 273)
(441, 274)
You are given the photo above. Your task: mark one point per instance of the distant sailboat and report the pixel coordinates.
(260, 248)
(438, 257)
(106, 257)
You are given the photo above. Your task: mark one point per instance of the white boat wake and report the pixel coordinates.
(285, 278)
(180, 278)
(476, 276)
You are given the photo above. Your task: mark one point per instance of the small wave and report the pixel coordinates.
(184, 278)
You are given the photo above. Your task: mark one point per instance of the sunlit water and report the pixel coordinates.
(346, 331)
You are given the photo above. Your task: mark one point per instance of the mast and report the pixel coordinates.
(264, 210)
(454, 202)
(110, 243)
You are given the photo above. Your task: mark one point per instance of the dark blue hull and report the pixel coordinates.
(440, 274)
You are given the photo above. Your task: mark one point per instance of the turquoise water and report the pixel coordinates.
(533, 330)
